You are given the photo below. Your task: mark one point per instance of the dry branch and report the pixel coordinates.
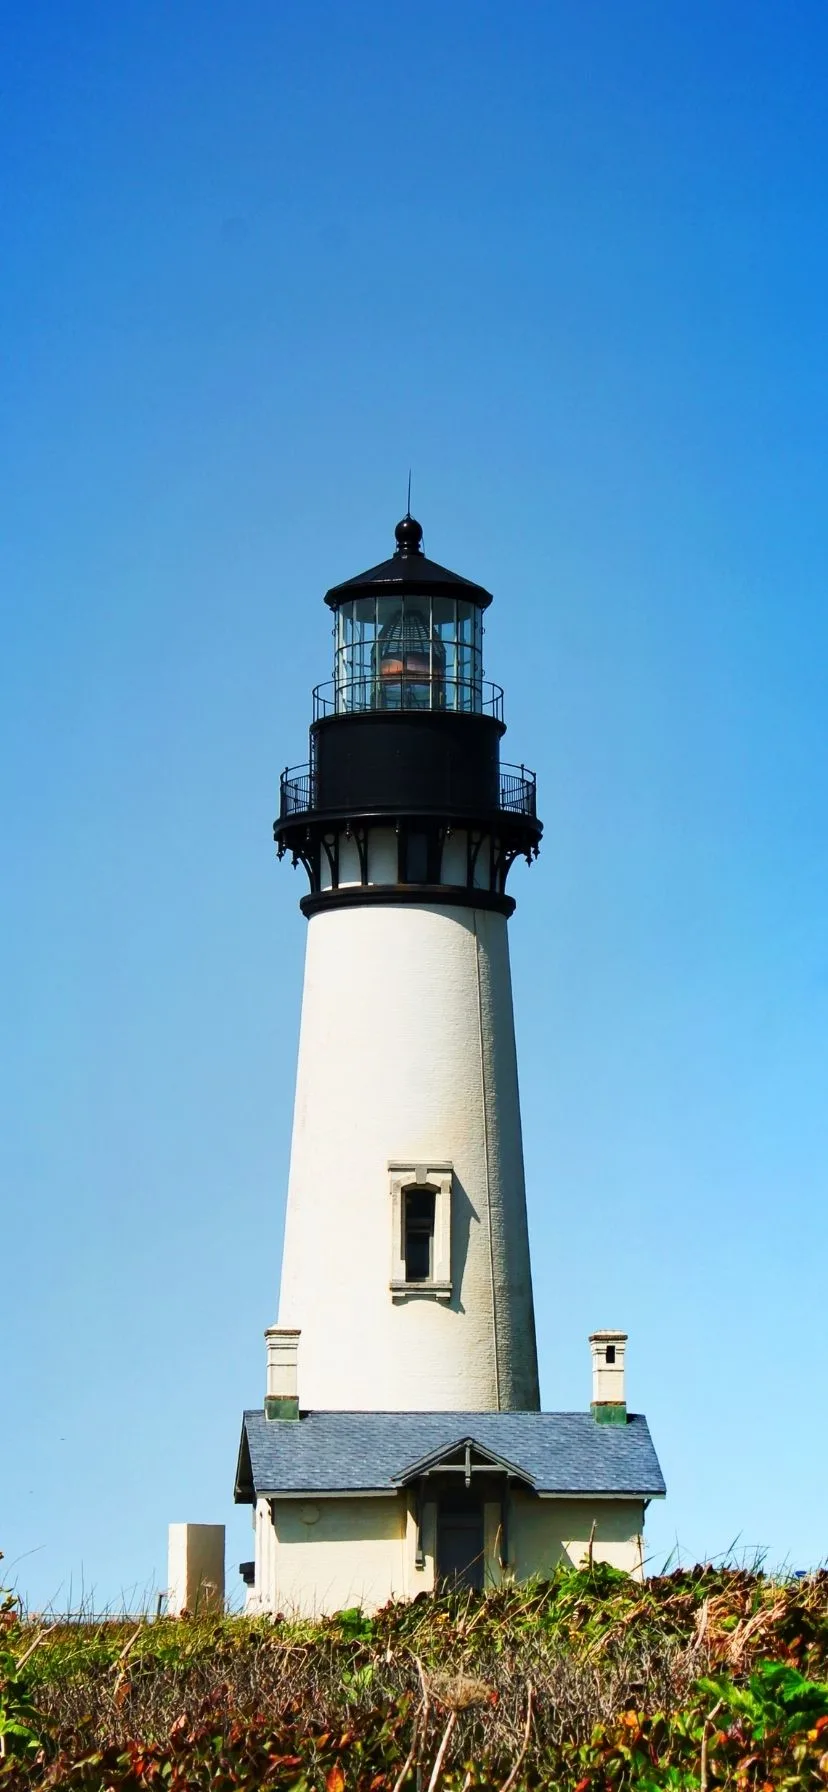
(508, 1783)
(441, 1752)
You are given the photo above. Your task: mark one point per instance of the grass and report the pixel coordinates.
(706, 1678)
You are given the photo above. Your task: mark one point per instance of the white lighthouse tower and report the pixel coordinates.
(406, 1259)
(401, 1446)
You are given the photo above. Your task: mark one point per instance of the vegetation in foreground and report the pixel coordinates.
(588, 1682)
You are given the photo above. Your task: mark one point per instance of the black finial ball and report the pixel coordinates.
(409, 535)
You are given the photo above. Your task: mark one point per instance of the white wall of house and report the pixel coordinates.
(546, 1532)
(322, 1556)
(407, 1054)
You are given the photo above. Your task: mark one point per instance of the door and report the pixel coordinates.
(460, 1540)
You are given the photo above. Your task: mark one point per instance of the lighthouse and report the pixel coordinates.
(406, 1256)
(401, 1445)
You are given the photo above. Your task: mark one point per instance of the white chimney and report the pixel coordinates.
(282, 1389)
(609, 1398)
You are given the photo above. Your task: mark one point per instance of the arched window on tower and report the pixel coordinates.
(418, 1241)
(421, 1229)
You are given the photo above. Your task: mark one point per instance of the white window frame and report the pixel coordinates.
(438, 1178)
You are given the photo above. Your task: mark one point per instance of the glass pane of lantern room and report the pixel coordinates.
(405, 653)
(469, 630)
(444, 655)
(361, 662)
(387, 659)
(343, 655)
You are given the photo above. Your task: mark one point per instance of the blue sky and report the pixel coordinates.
(569, 263)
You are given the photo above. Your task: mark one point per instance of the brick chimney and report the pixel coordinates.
(609, 1398)
(282, 1390)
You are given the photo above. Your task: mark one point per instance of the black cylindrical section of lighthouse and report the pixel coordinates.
(407, 734)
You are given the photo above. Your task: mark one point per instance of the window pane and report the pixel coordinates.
(419, 1233)
(444, 617)
(419, 1207)
(415, 652)
(418, 1257)
(408, 662)
(363, 630)
(444, 629)
(465, 621)
(416, 853)
(342, 659)
(466, 686)
(469, 690)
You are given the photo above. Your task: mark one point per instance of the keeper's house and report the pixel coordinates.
(355, 1508)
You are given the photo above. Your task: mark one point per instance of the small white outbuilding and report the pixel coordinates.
(195, 1569)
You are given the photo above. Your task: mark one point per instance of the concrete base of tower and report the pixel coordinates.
(406, 1259)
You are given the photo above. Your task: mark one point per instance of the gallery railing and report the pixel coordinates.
(407, 690)
(518, 790)
(298, 792)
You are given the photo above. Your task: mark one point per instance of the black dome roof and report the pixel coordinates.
(408, 572)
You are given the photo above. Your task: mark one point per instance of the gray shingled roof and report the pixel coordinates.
(352, 1452)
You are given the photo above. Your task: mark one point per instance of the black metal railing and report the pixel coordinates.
(297, 794)
(460, 696)
(518, 795)
(518, 790)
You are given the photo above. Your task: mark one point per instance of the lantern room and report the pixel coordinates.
(404, 789)
(408, 636)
